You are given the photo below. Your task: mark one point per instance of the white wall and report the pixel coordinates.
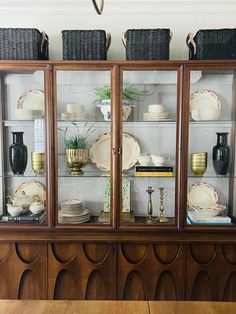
(180, 16)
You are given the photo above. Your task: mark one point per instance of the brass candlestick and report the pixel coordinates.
(150, 207)
(162, 217)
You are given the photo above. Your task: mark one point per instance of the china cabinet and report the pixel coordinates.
(123, 195)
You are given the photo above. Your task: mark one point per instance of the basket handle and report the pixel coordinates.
(171, 35)
(99, 8)
(189, 39)
(123, 38)
(108, 43)
(44, 38)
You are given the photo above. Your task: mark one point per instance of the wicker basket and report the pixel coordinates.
(210, 44)
(147, 44)
(23, 44)
(85, 44)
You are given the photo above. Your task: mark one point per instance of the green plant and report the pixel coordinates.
(129, 93)
(76, 139)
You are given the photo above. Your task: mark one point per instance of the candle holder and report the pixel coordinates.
(149, 219)
(162, 217)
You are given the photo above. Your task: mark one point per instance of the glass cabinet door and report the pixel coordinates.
(149, 162)
(83, 113)
(211, 147)
(24, 183)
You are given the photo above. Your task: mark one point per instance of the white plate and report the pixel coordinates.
(32, 188)
(202, 194)
(31, 99)
(203, 99)
(100, 151)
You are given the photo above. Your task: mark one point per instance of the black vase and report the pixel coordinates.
(221, 154)
(18, 154)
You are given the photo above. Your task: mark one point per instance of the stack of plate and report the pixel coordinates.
(74, 112)
(73, 212)
(156, 113)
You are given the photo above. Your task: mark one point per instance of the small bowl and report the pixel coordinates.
(36, 207)
(14, 210)
(144, 159)
(205, 212)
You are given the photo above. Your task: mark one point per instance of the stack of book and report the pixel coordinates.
(194, 219)
(27, 217)
(153, 171)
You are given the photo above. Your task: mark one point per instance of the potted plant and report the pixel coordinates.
(103, 93)
(76, 141)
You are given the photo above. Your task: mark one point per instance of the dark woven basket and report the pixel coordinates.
(85, 44)
(23, 44)
(210, 44)
(147, 44)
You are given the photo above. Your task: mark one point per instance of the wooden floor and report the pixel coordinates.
(115, 307)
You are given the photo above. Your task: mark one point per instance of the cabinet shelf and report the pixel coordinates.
(25, 175)
(95, 174)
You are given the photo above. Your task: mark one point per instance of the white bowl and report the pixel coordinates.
(156, 108)
(207, 211)
(24, 114)
(106, 111)
(75, 108)
(14, 210)
(159, 160)
(144, 159)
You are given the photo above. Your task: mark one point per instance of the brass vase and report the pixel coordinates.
(77, 158)
(38, 162)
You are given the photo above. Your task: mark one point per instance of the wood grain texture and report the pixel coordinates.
(149, 271)
(23, 271)
(36, 307)
(210, 272)
(108, 307)
(81, 271)
(183, 307)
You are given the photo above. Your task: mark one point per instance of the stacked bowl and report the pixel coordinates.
(199, 163)
(157, 112)
(38, 162)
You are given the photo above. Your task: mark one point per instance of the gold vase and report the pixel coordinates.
(38, 162)
(199, 163)
(77, 158)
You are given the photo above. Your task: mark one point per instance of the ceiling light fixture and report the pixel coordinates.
(98, 8)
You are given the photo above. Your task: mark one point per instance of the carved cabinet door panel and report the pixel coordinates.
(150, 271)
(82, 271)
(211, 272)
(23, 271)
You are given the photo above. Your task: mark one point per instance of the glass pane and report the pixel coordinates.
(149, 146)
(83, 123)
(23, 184)
(211, 148)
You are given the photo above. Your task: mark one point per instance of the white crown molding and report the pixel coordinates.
(117, 7)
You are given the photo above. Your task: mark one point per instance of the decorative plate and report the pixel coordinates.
(202, 194)
(31, 99)
(100, 151)
(204, 98)
(32, 188)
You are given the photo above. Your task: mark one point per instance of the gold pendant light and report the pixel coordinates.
(98, 7)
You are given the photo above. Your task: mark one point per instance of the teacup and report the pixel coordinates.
(159, 160)
(14, 210)
(144, 159)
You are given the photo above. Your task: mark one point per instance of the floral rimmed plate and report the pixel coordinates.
(100, 151)
(31, 99)
(203, 99)
(202, 194)
(32, 188)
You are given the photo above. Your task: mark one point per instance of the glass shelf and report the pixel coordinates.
(211, 122)
(209, 176)
(17, 123)
(85, 174)
(25, 175)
